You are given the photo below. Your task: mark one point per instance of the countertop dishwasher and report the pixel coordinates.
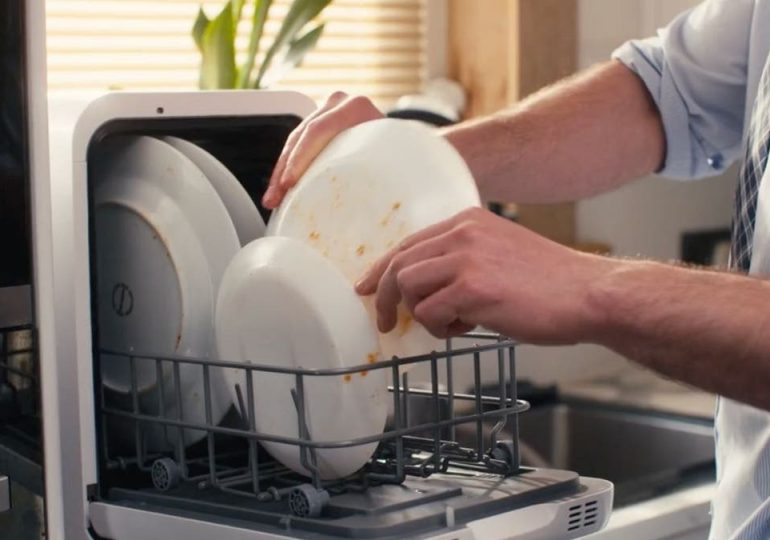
(419, 483)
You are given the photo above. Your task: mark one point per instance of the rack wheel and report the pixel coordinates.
(503, 451)
(307, 501)
(165, 474)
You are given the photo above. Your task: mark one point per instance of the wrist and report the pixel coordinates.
(607, 300)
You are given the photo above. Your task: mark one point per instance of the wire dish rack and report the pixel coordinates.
(230, 459)
(20, 423)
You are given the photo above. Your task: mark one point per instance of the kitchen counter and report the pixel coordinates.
(643, 389)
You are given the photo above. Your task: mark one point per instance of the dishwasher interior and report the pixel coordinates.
(156, 464)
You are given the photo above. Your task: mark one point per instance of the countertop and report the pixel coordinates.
(646, 390)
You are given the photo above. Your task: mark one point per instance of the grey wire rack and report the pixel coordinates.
(404, 449)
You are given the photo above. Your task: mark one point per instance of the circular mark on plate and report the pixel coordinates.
(122, 299)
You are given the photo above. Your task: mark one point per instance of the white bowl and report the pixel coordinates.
(283, 304)
(373, 186)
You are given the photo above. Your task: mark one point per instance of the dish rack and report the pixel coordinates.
(391, 464)
(417, 464)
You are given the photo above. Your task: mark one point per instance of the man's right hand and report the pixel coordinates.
(303, 145)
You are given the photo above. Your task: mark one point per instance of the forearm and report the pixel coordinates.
(710, 329)
(580, 137)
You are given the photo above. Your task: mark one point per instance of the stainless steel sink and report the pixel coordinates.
(644, 454)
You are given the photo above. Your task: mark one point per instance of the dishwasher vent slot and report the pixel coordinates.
(583, 516)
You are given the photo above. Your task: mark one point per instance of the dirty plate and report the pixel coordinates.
(373, 186)
(246, 219)
(163, 240)
(282, 304)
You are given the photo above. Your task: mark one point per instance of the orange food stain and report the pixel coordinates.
(347, 378)
(314, 235)
(396, 205)
(372, 357)
(364, 373)
(360, 250)
(404, 323)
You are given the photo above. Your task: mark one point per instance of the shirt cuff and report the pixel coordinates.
(646, 58)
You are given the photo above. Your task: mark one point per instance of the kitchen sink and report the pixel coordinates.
(644, 454)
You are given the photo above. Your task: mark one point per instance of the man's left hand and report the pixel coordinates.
(478, 269)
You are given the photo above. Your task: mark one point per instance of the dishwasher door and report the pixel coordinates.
(25, 268)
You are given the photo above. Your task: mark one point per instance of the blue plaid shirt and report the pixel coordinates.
(704, 72)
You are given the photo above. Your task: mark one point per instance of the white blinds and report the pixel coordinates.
(372, 47)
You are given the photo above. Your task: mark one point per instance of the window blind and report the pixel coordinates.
(371, 47)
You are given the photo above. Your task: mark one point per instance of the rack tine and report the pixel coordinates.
(181, 457)
(450, 389)
(251, 419)
(436, 413)
(138, 439)
(477, 388)
(161, 395)
(209, 422)
(405, 398)
(400, 423)
(298, 396)
(501, 391)
(513, 392)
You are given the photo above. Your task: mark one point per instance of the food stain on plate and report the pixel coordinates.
(360, 250)
(393, 209)
(405, 321)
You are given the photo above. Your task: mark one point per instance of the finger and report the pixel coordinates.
(368, 283)
(320, 131)
(388, 289)
(439, 314)
(271, 197)
(418, 281)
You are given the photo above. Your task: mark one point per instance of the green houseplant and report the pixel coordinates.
(215, 39)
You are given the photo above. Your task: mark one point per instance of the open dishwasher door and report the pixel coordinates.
(27, 351)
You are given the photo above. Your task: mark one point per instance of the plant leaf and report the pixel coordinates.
(218, 51)
(300, 13)
(200, 25)
(261, 8)
(293, 55)
(237, 10)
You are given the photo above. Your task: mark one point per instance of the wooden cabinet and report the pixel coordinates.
(503, 50)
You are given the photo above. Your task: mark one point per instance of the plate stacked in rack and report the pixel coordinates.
(287, 301)
(168, 218)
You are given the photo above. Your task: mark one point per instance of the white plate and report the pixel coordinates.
(374, 185)
(163, 241)
(248, 223)
(283, 304)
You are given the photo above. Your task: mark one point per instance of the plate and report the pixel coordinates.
(372, 186)
(163, 240)
(246, 219)
(283, 304)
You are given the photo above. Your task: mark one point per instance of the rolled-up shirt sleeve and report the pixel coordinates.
(696, 72)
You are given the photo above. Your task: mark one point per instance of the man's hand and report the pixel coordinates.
(480, 269)
(339, 113)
